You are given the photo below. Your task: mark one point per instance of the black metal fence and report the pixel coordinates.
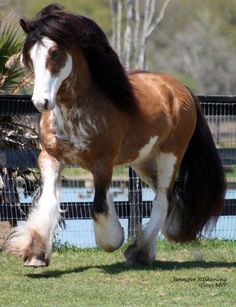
(19, 175)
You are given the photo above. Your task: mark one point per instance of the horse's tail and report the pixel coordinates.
(197, 198)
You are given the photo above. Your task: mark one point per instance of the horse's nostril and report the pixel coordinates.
(46, 102)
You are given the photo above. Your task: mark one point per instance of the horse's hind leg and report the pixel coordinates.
(108, 232)
(33, 241)
(144, 248)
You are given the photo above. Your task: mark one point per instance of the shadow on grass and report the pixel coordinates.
(121, 267)
(57, 273)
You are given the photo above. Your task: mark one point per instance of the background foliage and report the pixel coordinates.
(196, 40)
(10, 45)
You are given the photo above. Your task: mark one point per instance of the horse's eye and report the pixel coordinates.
(55, 54)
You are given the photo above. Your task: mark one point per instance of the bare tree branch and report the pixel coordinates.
(127, 33)
(141, 58)
(159, 18)
(151, 12)
(26, 81)
(139, 21)
(113, 23)
(119, 22)
(136, 29)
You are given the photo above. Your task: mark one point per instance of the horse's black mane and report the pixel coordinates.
(69, 30)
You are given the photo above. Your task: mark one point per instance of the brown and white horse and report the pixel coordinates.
(97, 116)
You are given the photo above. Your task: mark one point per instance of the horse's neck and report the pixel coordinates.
(66, 115)
(74, 101)
(80, 81)
(78, 98)
(73, 112)
(77, 89)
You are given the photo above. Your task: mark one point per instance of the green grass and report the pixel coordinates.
(232, 172)
(119, 173)
(122, 173)
(77, 172)
(91, 277)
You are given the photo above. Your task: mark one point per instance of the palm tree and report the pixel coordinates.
(10, 44)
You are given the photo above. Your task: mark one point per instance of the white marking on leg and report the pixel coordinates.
(146, 239)
(36, 236)
(108, 232)
(148, 179)
(165, 168)
(172, 224)
(146, 150)
(45, 216)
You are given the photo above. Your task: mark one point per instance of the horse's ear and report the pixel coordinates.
(26, 25)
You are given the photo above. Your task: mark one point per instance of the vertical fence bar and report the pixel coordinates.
(135, 200)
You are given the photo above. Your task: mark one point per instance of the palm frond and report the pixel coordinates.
(10, 45)
(12, 79)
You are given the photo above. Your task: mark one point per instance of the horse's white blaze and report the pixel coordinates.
(146, 149)
(46, 84)
(108, 232)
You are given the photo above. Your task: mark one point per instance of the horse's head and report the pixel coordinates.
(53, 37)
(51, 64)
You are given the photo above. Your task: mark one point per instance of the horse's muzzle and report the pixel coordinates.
(42, 105)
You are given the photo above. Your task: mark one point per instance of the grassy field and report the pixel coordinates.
(231, 174)
(121, 173)
(202, 274)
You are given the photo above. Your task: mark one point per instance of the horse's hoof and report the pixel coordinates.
(36, 262)
(136, 255)
(109, 234)
(29, 245)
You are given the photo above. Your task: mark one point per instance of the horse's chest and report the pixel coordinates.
(71, 142)
(79, 135)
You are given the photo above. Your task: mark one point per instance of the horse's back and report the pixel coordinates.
(178, 106)
(159, 93)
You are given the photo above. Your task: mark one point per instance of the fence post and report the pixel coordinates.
(135, 200)
(218, 130)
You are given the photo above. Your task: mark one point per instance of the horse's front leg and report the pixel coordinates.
(108, 232)
(33, 241)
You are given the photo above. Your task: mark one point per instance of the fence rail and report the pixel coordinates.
(220, 112)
